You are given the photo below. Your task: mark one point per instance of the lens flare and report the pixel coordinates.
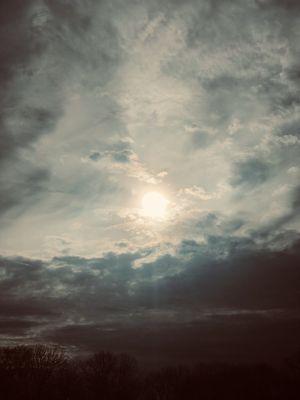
(154, 205)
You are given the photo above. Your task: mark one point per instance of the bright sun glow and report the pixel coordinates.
(154, 205)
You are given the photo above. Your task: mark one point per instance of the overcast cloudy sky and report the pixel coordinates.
(105, 101)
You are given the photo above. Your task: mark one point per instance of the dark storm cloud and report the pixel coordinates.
(206, 279)
(26, 186)
(228, 283)
(45, 44)
(289, 5)
(16, 327)
(244, 279)
(26, 306)
(18, 48)
(290, 127)
(274, 228)
(71, 13)
(21, 123)
(65, 278)
(226, 338)
(296, 200)
(242, 307)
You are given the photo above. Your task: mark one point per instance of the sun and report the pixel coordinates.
(154, 205)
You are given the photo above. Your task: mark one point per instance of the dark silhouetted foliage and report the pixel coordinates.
(46, 373)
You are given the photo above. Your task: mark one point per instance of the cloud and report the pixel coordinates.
(251, 173)
(223, 281)
(290, 5)
(198, 193)
(119, 152)
(167, 343)
(121, 157)
(48, 46)
(290, 128)
(27, 110)
(25, 187)
(17, 328)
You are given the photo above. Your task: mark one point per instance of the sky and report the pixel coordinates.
(105, 102)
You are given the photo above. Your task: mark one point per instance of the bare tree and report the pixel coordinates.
(29, 369)
(111, 376)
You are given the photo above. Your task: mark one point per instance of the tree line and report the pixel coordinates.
(46, 373)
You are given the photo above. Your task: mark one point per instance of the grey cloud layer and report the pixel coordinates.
(89, 303)
(45, 44)
(245, 83)
(104, 101)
